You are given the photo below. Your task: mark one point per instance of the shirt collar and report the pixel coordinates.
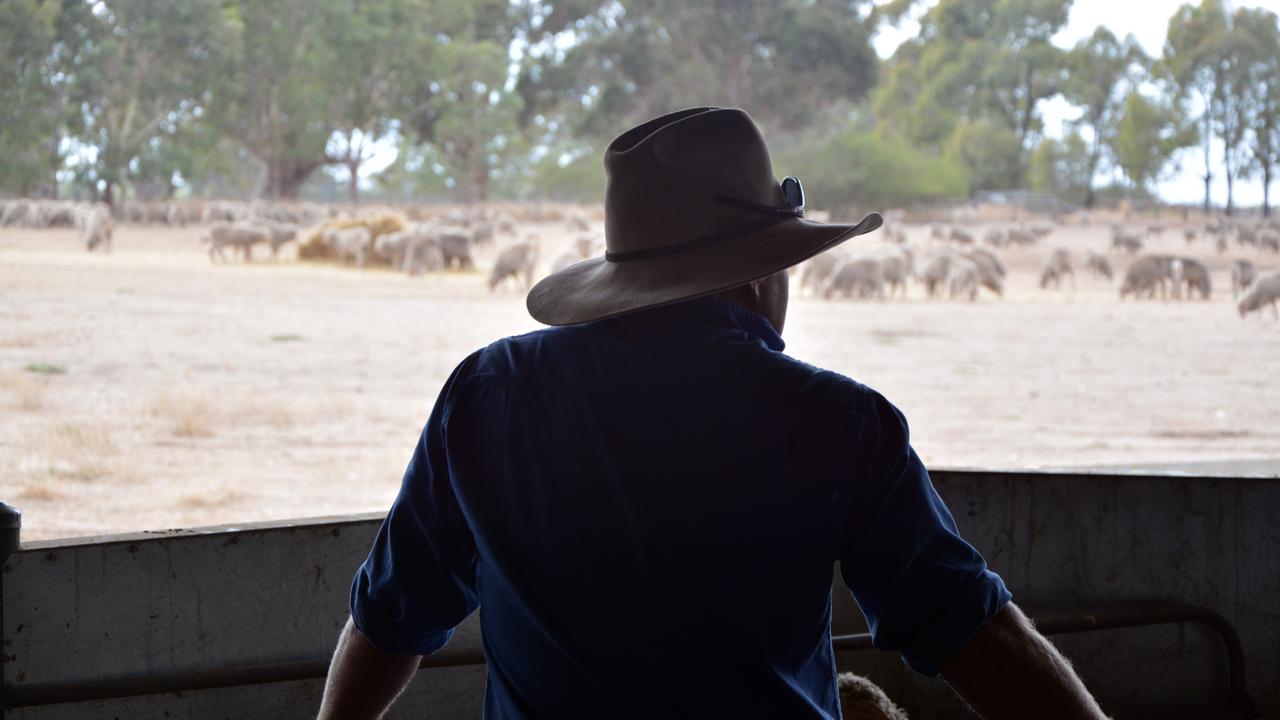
(718, 310)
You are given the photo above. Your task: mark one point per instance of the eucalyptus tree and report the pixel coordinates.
(1099, 69)
(1261, 58)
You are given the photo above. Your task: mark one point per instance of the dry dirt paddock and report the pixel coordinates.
(149, 388)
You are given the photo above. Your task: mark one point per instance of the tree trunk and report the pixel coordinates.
(1266, 190)
(353, 184)
(54, 165)
(1230, 204)
(1208, 172)
(286, 177)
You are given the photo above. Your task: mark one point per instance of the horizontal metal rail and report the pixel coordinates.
(1065, 621)
(1058, 622)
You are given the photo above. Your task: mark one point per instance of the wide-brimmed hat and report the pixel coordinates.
(691, 208)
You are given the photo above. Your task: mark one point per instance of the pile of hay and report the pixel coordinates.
(313, 246)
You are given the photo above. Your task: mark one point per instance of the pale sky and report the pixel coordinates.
(1146, 20)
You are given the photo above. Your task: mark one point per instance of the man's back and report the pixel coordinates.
(648, 510)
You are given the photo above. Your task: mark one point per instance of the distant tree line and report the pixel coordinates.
(515, 98)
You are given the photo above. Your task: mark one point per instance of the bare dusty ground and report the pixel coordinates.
(150, 389)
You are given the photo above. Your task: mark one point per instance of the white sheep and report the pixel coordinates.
(97, 229)
(963, 279)
(238, 235)
(1242, 276)
(1265, 290)
(1057, 267)
(863, 277)
(515, 261)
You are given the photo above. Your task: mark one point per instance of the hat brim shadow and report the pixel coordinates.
(597, 289)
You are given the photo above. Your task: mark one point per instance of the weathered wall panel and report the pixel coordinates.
(198, 600)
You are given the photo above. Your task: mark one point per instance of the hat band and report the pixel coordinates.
(695, 244)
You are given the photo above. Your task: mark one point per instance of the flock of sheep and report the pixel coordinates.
(958, 261)
(954, 264)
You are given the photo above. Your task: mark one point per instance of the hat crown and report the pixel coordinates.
(664, 178)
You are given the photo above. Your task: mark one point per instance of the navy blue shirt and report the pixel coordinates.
(649, 509)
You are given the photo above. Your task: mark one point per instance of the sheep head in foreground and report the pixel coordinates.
(861, 699)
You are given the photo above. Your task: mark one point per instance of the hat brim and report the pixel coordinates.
(597, 289)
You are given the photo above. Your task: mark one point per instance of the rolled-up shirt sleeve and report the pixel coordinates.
(419, 580)
(924, 591)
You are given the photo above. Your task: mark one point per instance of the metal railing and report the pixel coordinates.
(1055, 622)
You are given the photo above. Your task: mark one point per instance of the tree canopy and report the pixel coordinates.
(515, 98)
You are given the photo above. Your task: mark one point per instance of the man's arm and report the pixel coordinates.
(363, 680)
(1008, 670)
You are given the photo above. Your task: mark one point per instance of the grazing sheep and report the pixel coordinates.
(392, 246)
(937, 232)
(1125, 240)
(1269, 240)
(991, 271)
(863, 277)
(961, 236)
(1189, 234)
(991, 258)
(588, 246)
(1265, 290)
(280, 233)
(239, 235)
(577, 222)
(176, 215)
(1057, 267)
(1242, 276)
(455, 247)
(422, 254)
(581, 249)
(896, 265)
(1246, 235)
(564, 260)
(860, 699)
(1021, 236)
(97, 229)
(1097, 264)
(351, 244)
(514, 262)
(934, 272)
(506, 223)
(963, 279)
(1041, 231)
(1146, 275)
(1194, 275)
(133, 211)
(57, 214)
(817, 269)
(15, 213)
(483, 234)
(995, 237)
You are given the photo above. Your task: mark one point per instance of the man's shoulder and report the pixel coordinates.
(504, 356)
(837, 392)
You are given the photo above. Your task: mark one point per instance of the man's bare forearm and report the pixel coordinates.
(1008, 670)
(363, 680)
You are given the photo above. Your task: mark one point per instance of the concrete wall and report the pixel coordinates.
(157, 603)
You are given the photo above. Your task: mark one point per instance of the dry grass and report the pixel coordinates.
(186, 413)
(213, 499)
(66, 451)
(28, 393)
(39, 490)
(21, 339)
(261, 410)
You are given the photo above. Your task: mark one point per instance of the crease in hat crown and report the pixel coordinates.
(664, 176)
